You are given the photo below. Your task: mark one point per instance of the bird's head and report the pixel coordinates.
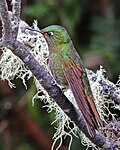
(55, 35)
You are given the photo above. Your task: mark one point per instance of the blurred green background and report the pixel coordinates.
(94, 27)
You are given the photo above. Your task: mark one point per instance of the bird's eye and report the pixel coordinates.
(50, 33)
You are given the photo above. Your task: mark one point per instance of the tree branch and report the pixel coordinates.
(16, 9)
(107, 87)
(47, 81)
(5, 22)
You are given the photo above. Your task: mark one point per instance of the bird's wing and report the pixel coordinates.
(74, 74)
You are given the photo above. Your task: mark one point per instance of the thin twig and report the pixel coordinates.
(16, 9)
(5, 22)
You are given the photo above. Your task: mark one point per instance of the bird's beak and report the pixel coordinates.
(39, 31)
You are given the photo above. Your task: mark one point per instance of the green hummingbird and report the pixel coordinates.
(69, 72)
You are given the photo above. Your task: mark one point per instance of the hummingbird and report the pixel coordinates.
(69, 71)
